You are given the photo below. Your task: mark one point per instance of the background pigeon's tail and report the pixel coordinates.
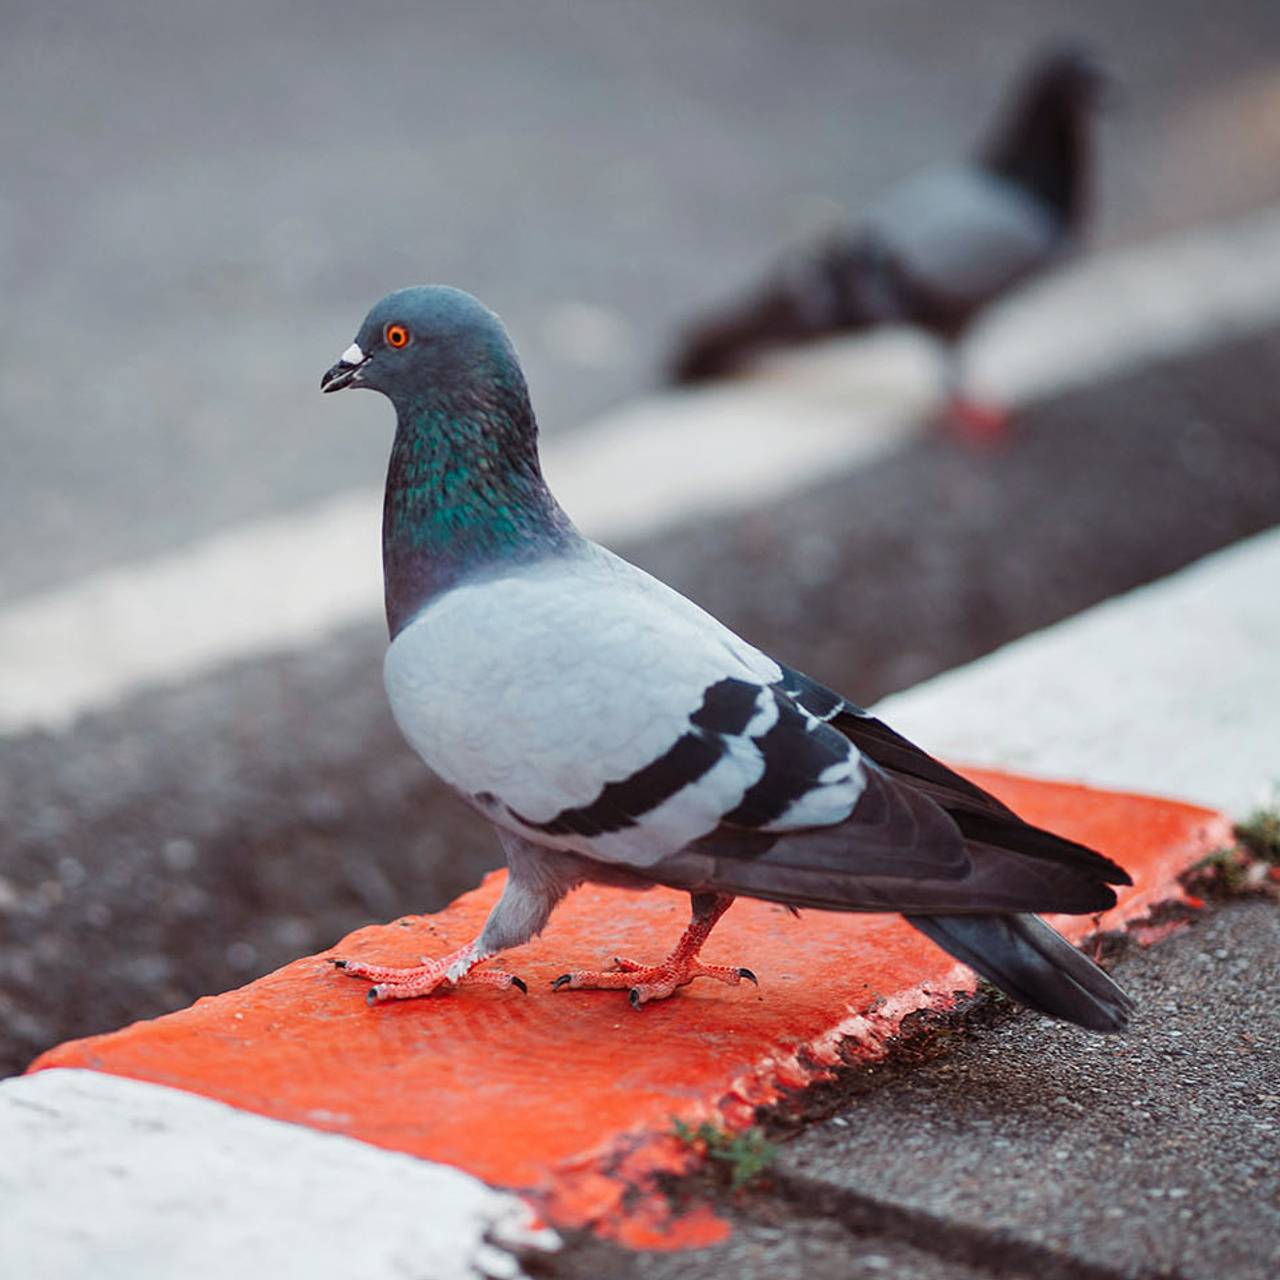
(1038, 967)
(835, 286)
(722, 343)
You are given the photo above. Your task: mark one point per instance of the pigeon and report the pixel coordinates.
(936, 250)
(613, 732)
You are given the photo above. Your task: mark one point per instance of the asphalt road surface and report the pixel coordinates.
(199, 202)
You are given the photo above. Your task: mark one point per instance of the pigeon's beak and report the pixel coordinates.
(347, 371)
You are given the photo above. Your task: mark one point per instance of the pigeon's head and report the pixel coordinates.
(1069, 75)
(1042, 139)
(426, 341)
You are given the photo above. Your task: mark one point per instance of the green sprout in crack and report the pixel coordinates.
(1244, 867)
(1260, 834)
(1224, 871)
(739, 1157)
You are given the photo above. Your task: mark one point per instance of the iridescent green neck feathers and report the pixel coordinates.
(464, 495)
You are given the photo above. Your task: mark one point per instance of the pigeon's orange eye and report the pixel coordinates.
(396, 335)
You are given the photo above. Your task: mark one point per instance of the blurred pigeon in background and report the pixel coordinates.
(614, 732)
(937, 249)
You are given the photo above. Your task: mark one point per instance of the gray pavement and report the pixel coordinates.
(199, 202)
(1032, 1150)
(775, 1243)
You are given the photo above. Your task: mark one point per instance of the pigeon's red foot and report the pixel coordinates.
(975, 423)
(406, 982)
(648, 982)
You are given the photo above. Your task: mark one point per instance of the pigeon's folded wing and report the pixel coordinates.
(921, 838)
(628, 724)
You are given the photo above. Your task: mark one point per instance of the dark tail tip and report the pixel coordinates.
(704, 355)
(777, 314)
(1034, 965)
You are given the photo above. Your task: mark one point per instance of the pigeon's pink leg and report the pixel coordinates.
(657, 982)
(404, 983)
(975, 423)
(978, 424)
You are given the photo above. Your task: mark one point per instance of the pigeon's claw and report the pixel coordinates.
(392, 982)
(422, 980)
(645, 982)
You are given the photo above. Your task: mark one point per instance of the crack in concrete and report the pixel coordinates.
(997, 1252)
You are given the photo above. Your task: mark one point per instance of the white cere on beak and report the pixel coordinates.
(353, 354)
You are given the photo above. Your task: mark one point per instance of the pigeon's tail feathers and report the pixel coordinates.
(838, 285)
(1009, 832)
(1041, 140)
(1034, 965)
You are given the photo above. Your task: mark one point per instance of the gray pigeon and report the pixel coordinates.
(937, 249)
(614, 732)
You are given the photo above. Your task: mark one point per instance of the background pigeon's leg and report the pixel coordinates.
(656, 982)
(537, 880)
(972, 422)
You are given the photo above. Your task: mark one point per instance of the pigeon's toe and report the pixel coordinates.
(645, 983)
(395, 982)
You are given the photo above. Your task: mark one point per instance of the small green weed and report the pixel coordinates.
(1222, 873)
(738, 1157)
(1260, 834)
(1247, 867)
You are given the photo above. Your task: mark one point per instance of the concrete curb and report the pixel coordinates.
(569, 1098)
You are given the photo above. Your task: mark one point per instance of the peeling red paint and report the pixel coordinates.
(569, 1097)
(1148, 935)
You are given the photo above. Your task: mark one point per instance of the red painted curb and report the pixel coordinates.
(568, 1097)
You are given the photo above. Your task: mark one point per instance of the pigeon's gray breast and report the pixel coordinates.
(624, 723)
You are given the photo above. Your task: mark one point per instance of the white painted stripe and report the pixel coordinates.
(122, 1180)
(281, 582)
(1123, 309)
(1171, 689)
